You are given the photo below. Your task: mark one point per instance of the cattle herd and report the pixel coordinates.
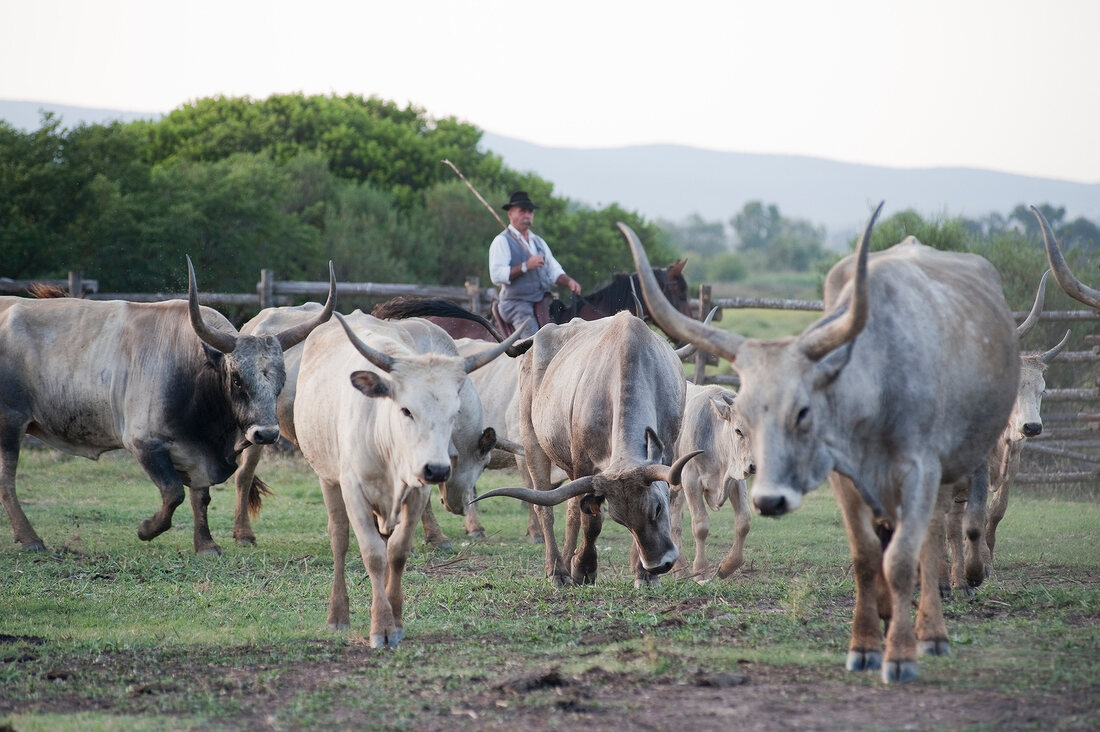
(909, 397)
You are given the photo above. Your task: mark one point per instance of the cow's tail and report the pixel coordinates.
(256, 493)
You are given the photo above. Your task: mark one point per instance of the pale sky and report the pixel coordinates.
(1005, 85)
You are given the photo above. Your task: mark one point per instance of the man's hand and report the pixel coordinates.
(535, 261)
(572, 284)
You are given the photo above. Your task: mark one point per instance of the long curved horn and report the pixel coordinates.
(670, 475)
(1036, 309)
(674, 323)
(1066, 280)
(509, 446)
(818, 342)
(689, 350)
(379, 359)
(212, 337)
(294, 335)
(477, 360)
(544, 498)
(1048, 356)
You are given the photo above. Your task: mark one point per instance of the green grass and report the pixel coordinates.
(105, 631)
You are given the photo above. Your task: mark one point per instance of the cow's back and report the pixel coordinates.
(87, 373)
(940, 346)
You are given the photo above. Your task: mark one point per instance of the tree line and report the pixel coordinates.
(287, 183)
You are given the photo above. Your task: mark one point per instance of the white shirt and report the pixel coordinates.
(500, 257)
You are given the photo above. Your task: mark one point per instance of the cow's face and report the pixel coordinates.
(1025, 420)
(783, 400)
(471, 446)
(418, 405)
(736, 431)
(252, 375)
(642, 507)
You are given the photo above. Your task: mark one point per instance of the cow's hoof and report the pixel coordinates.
(246, 541)
(647, 581)
(35, 546)
(863, 660)
(388, 640)
(899, 672)
(477, 534)
(210, 550)
(148, 530)
(934, 647)
(339, 627)
(560, 580)
(444, 546)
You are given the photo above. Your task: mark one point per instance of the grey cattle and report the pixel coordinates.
(602, 400)
(713, 425)
(903, 385)
(171, 382)
(470, 444)
(1004, 460)
(374, 416)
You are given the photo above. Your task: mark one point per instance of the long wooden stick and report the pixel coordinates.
(470, 186)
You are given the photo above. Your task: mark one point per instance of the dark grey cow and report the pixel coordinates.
(603, 401)
(902, 386)
(172, 382)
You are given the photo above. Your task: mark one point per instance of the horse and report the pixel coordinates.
(624, 294)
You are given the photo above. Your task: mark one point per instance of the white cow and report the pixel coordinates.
(712, 424)
(378, 451)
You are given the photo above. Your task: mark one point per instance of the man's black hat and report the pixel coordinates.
(519, 198)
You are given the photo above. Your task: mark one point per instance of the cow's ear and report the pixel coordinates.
(213, 356)
(487, 441)
(371, 384)
(654, 448)
(830, 366)
(591, 503)
(723, 408)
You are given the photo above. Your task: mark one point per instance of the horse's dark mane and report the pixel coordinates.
(618, 295)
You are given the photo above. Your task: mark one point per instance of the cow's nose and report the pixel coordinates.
(752, 468)
(1033, 428)
(436, 473)
(661, 568)
(263, 435)
(770, 505)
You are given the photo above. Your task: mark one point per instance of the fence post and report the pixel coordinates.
(76, 284)
(700, 354)
(473, 291)
(267, 288)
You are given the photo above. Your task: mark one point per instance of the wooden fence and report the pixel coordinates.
(1071, 433)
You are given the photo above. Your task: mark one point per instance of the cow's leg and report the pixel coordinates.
(474, 529)
(10, 440)
(953, 576)
(538, 467)
(372, 548)
(156, 461)
(930, 626)
(397, 554)
(997, 507)
(919, 490)
(246, 471)
(676, 519)
(535, 533)
(584, 561)
(700, 525)
(200, 501)
(865, 646)
(742, 516)
(339, 612)
(974, 520)
(433, 534)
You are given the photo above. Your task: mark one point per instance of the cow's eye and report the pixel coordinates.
(739, 433)
(406, 412)
(803, 416)
(235, 380)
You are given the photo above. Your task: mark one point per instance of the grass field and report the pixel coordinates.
(107, 632)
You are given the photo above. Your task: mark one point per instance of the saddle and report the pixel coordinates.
(542, 314)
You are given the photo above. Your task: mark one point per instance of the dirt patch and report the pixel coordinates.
(257, 685)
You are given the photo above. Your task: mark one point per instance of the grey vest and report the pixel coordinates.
(533, 284)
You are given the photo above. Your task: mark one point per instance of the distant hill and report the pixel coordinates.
(672, 181)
